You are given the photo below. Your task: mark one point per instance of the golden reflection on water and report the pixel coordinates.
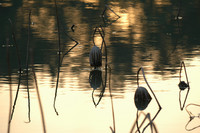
(6, 3)
(77, 112)
(162, 2)
(44, 24)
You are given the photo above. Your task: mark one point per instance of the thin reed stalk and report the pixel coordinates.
(16, 96)
(113, 113)
(38, 96)
(27, 64)
(59, 55)
(138, 128)
(60, 59)
(10, 85)
(16, 45)
(19, 64)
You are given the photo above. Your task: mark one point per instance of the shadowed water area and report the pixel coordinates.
(154, 44)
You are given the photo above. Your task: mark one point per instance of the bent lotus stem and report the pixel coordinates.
(95, 53)
(147, 84)
(103, 15)
(183, 65)
(190, 113)
(93, 35)
(183, 85)
(103, 41)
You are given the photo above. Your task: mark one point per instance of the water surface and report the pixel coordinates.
(156, 35)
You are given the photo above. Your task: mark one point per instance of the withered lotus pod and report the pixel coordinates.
(95, 57)
(95, 79)
(142, 98)
(182, 85)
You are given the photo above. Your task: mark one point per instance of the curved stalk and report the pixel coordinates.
(147, 84)
(183, 65)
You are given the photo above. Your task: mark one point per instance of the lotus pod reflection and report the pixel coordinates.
(142, 98)
(95, 57)
(182, 85)
(95, 79)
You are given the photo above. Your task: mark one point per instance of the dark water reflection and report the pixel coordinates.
(148, 34)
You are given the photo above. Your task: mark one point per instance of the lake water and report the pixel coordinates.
(156, 35)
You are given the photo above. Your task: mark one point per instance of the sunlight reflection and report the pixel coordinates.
(162, 2)
(44, 26)
(144, 35)
(6, 3)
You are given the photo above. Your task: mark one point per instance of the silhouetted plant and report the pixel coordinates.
(113, 114)
(95, 55)
(192, 117)
(38, 93)
(106, 21)
(183, 85)
(97, 62)
(142, 97)
(60, 59)
(16, 45)
(147, 117)
(10, 83)
(20, 67)
(27, 64)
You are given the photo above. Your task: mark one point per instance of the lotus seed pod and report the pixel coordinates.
(182, 85)
(142, 98)
(95, 57)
